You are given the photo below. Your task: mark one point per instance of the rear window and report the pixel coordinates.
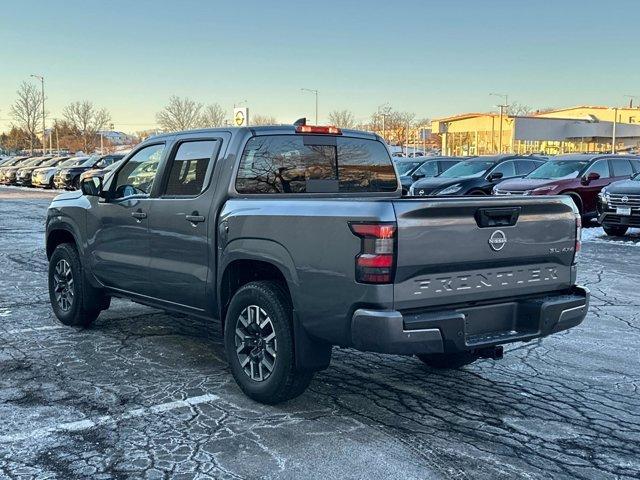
(314, 164)
(621, 167)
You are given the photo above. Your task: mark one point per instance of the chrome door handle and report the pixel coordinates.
(195, 218)
(138, 215)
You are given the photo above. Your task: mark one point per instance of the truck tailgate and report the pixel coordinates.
(470, 249)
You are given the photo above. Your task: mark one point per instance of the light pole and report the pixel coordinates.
(44, 131)
(503, 106)
(315, 92)
(384, 114)
(631, 99)
(613, 133)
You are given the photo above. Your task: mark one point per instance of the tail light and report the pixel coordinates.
(318, 129)
(377, 258)
(578, 235)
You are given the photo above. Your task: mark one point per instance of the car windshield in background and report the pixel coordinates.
(50, 163)
(74, 162)
(470, 168)
(314, 164)
(558, 169)
(405, 167)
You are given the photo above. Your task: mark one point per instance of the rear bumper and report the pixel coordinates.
(468, 328)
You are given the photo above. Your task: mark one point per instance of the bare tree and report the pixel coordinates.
(27, 111)
(263, 120)
(87, 119)
(212, 116)
(342, 119)
(180, 114)
(519, 109)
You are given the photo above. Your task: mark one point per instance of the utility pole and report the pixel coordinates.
(613, 134)
(57, 141)
(631, 99)
(315, 92)
(384, 113)
(504, 105)
(44, 131)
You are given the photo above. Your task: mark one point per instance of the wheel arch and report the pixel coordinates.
(577, 199)
(58, 235)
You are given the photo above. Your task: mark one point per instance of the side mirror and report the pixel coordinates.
(587, 179)
(495, 176)
(417, 176)
(91, 186)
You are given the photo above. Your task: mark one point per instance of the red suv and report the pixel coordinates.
(581, 176)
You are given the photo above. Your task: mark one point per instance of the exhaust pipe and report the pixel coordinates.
(495, 353)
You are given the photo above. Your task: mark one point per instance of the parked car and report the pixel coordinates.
(100, 172)
(69, 177)
(10, 174)
(619, 206)
(10, 164)
(24, 175)
(412, 170)
(42, 177)
(477, 176)
(581, 176)
(297, 238)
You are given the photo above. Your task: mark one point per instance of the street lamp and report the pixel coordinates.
(315, 92)
(41, 78)
(384, 113)
(502, 107)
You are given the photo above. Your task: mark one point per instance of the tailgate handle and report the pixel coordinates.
(497, 217)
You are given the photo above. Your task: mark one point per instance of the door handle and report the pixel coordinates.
(138, 215)
(195, 218)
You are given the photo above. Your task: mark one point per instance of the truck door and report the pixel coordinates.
(118, 239)
(181, 224)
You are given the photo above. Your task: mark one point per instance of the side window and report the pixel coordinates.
(525, 167)
(507, 169)
(601, 167)
(621, 167)
(428, 169)
(137, 175)
(636, 166)
(446, 165)
(189, 167)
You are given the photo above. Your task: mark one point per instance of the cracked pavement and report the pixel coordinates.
(146, 394)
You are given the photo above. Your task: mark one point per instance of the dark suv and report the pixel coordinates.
(69, 178)
(619, 206)
(581, 176)
(476, 176)
(411, 170)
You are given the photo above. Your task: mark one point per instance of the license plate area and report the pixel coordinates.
(626, 211)
(490, 319)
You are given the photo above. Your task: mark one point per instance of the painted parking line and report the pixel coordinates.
(18, 331)
(89, 423)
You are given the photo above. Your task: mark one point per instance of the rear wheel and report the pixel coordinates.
(448, 360)
(259, 341)
(615, 231)
(73, 300)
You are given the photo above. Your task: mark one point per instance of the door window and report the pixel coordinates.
(525, 167)
(189, 168)
(428, 169)
(507, 169)
(136, 177)
(601, 167)
(621, 167)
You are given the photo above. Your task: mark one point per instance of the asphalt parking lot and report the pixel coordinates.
(144, 394)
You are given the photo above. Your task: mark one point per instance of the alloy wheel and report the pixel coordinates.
(63, 285)
(256, 343)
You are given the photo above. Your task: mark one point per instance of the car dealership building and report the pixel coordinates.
(576, 129)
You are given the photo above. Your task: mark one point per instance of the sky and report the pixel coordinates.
(432, 58)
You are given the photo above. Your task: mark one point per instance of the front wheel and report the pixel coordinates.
(615, 231)
(258, 337)
(74, 302)
(448, 360)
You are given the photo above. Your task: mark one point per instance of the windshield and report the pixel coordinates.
(74, 162)
(89, 161)
(558, 169)
(405, 167)
(470, 168)
(50, 163)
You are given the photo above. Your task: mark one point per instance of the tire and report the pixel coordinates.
(83, 305)
(264, 300)
(443, 361)
(615, 231)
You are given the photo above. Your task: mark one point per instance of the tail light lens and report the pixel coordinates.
(377, 258)
(318, 130)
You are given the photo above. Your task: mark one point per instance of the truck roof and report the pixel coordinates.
(266, 130)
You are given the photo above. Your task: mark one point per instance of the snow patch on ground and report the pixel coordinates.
(597, 235)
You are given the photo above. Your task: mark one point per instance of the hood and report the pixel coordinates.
(44, 170)
(625, 187)
(525, 184)
(68, 196)
(430, 185)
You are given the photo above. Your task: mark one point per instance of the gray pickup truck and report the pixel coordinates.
(297, 239)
